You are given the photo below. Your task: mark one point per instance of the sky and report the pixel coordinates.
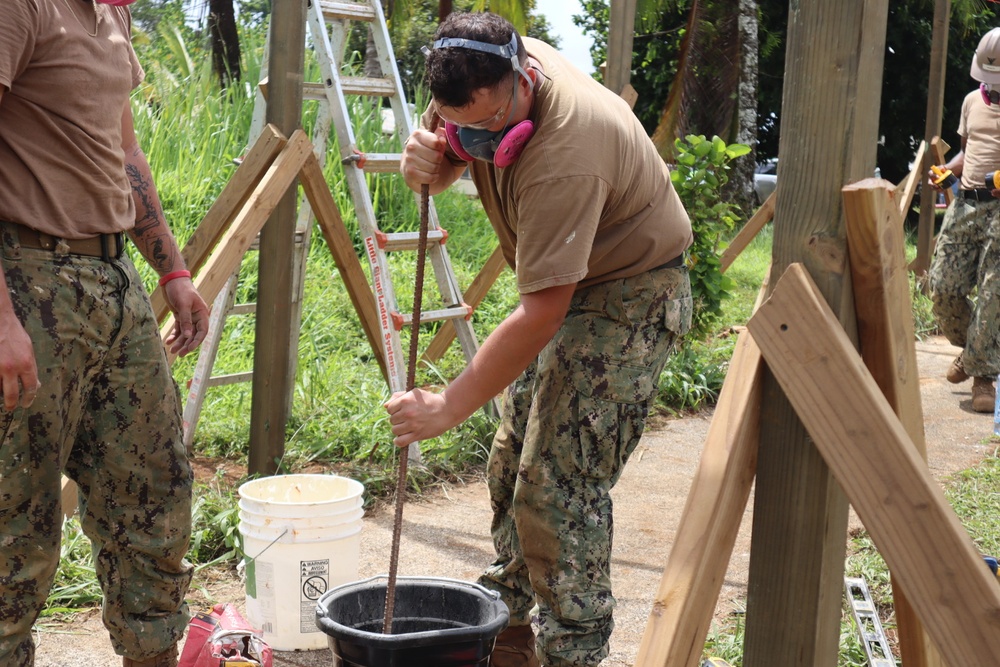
(574, 45)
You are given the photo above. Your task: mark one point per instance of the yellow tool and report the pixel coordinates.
(943, 178)
(993, 180)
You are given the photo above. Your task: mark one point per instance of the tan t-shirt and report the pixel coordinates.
(980, 126)
(589, 200)
(61, 163)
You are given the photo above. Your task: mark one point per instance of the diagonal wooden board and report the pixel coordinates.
(876, 463)
(255, 212)
(750, 230)
(885, 329)
(691, 582)
(234, 195)
(338, 241)
(908, 186)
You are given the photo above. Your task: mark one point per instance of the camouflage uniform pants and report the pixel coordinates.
(570, 422)
(967, 261)
(108, 414)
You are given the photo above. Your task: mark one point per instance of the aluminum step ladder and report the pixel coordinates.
(329, 24)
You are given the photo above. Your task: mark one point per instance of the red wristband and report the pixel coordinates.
(183, 273)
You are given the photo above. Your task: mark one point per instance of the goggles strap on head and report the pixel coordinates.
(508, 50)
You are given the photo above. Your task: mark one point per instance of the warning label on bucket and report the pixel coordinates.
(314, 577)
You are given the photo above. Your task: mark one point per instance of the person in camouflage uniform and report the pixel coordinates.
(586, 216)
(84, 381)
(967, 253)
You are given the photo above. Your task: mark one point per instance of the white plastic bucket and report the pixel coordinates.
(300, 495)
(301, 537)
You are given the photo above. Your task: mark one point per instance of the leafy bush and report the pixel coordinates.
(698, 177)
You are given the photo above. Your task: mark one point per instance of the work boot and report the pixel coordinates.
(515, 647)
(166, 659)
(984, 395)
(956, 372)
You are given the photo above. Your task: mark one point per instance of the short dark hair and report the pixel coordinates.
(454, 73)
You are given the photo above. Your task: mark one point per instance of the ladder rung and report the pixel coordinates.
(232, 378)
(373, 86)
(462, 312)
(375, 163)
(243, 309)
(351, 85)
(350, 11)
(407, 240)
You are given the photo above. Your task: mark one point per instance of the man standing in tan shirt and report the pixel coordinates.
(967, 252)
(85, 388)
(588, 220)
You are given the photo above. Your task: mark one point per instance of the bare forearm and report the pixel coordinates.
(504, 355)
(151, 234)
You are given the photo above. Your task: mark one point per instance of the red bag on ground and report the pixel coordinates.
(223, 638)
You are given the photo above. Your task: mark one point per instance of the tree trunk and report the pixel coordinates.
(740, 186)
(372, 68)
(445, 7)
(225, 41)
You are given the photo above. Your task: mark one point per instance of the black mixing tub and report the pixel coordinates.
(436, 623)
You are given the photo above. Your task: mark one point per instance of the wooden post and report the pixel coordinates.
(889, 485)
(885, 328)
(273, 373)
(932, 128)
(618, 68)
(829, 117)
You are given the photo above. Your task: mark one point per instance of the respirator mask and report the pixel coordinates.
(501, 147)
(990, 92)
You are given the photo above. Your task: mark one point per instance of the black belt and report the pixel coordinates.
(105, 246)
(676, 263)
(979, 194)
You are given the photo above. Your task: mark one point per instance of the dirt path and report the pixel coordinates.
(448, 534)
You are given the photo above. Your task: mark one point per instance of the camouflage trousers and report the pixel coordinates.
(570, 422)
(108, 415)
(966, 262)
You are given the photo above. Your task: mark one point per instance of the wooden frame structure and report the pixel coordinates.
(217, 247)
(877, 455)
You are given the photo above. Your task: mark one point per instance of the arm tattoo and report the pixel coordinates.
(150, 229)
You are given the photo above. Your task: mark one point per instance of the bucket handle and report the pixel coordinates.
(270, 544)
(493, 594)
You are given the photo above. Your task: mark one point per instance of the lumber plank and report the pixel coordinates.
(871, 455)
(692, 580)
(229, 202)
(474, 295)
(882, 299)
(339, 242)
(227, 256)
(761, 217)
(912, 181)
(885, 329)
